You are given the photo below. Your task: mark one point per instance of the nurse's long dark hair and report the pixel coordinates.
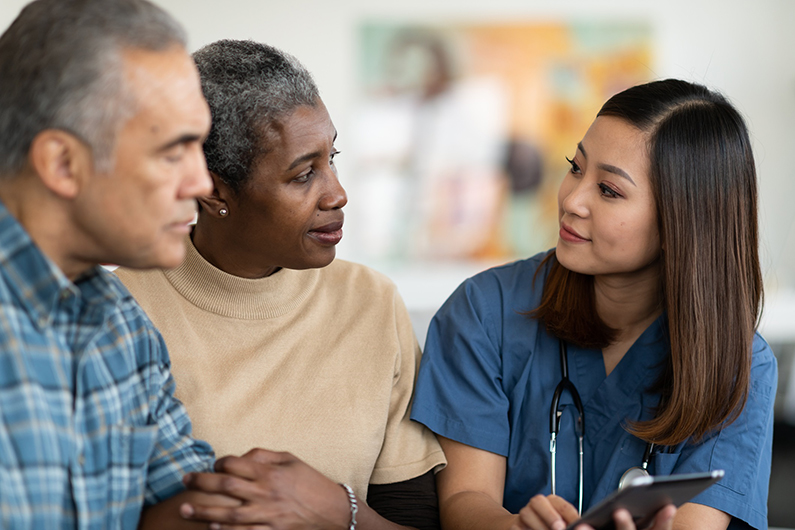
(704, 183)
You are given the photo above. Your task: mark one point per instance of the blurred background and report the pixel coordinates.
(454, 118)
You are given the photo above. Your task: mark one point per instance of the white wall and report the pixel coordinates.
(745, 49)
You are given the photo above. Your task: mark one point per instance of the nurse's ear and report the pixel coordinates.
(217, 203)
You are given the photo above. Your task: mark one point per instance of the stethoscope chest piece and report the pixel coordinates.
(637, 471)
(630, 475)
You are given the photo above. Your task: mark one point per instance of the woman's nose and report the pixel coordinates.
(335, 197)
(574, 200)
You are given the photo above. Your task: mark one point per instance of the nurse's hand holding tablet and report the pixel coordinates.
(630, 350)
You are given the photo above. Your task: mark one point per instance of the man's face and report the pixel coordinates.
(137, 213)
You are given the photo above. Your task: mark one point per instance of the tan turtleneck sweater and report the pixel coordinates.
(319, 362)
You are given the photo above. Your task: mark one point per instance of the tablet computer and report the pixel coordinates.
(645, 496)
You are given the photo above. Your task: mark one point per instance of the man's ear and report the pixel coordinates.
(61, 161)
(217, 203)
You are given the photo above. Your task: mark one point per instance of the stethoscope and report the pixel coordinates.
(579, 429)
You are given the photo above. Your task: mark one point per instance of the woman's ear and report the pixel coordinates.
(216, 204)
(61, 161)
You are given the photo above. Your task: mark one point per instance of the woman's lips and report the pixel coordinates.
(569, 235)
(329, 234)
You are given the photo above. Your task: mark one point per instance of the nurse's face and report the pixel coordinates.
(608, 221)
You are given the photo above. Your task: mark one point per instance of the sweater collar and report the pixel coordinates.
(216, 291)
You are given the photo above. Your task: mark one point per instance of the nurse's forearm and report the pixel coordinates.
(692, 516)
(471, 510)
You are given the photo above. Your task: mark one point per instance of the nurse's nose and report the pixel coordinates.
(575, 197)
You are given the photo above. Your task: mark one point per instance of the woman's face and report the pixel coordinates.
(608, 220)
(289, 213)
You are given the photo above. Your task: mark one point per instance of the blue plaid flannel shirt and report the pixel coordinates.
(90, 431)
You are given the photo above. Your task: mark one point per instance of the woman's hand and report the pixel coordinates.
(276, 490)
(554, 513)
(550, 512)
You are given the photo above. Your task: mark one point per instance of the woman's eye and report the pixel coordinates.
(301, 179)
(331, 157)
(608, 192)
(575, 168)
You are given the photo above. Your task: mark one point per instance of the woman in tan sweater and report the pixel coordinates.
(275, 344)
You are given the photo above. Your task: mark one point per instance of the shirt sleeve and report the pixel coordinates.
(742, 449)
(409, 449)
(176, 452)
(459, 389)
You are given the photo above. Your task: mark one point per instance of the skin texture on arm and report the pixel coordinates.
(471, 488)
(691, 516)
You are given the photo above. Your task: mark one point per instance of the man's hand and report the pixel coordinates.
(276, 490)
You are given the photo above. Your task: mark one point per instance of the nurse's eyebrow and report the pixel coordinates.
(608, 167)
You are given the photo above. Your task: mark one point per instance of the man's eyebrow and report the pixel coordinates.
(184, 139)
(608, 167)
(309, 156)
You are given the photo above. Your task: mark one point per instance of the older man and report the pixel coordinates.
(101, 124)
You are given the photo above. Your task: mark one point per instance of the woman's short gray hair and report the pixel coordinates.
(249, 86)
(61, 68)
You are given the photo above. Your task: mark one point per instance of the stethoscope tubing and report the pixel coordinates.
(579, 427)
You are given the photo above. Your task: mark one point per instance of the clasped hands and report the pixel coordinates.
(555, 513)
(266, 489)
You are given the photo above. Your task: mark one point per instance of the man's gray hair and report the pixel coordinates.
(61, 67)
(249, 87)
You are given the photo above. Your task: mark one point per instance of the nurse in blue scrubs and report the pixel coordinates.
(649, 301)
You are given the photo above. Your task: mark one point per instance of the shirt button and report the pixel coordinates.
(81, 460)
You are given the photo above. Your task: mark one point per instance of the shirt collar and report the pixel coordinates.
(37, 282)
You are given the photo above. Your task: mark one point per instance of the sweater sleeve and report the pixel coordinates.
(409, 449)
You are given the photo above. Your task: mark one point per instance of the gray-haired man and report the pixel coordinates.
(101, 124)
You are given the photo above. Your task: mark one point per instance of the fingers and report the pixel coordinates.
(241, 466)
(564, 508)
(540, 513)
(222, 515)
(263, 456)
(220, 483)
(623, 520)
(664, 520)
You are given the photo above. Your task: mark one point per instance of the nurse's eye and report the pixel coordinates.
(608, 192)
(332, 156)
(575, 168)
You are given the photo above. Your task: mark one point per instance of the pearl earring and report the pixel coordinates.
(223, 212)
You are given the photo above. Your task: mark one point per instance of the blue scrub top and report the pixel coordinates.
(487, 379)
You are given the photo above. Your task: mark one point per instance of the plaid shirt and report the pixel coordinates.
(90, 430)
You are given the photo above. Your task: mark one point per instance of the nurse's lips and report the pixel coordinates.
(329, 234)
(568, 234)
